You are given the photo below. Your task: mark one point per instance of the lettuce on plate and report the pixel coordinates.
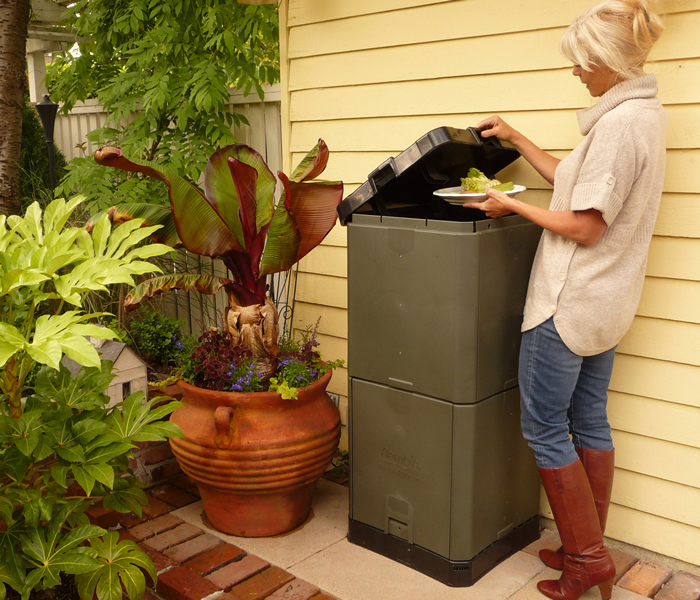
(477, 182)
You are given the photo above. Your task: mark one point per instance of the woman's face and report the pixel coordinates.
(598, 80)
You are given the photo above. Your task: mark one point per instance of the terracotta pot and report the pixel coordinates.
(255, 457)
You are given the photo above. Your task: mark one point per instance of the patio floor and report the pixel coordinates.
(316, 562)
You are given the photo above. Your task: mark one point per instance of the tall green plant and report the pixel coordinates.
(61, 447)
(162, 69)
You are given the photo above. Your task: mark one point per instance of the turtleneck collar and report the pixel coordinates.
(645, 86)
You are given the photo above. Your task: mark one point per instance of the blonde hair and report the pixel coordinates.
(617, 34)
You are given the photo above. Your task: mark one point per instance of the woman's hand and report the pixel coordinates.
(495, 126)
(545, 164)
(496, 204)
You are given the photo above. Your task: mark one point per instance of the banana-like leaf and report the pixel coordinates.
(312, 165)
(205, 284)
(151, 214)
(313, 206)
(200, 227)
(245, 180)
(222, 193)
(244, 177)
(283, 238)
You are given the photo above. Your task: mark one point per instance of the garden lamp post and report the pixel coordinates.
(47, 113)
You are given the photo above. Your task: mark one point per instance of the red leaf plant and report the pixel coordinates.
(236, 220)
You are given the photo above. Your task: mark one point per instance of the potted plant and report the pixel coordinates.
(255, 455)
(61, 448)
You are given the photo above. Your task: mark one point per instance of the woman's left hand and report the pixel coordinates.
(497, 204)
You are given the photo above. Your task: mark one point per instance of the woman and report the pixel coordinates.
(587, 277)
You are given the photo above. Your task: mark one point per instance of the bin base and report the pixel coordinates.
(454, 573)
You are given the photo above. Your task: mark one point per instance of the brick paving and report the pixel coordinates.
(646, 578)
(641, 576)
(193, 564)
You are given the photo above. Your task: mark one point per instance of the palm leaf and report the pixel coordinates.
(200, 227)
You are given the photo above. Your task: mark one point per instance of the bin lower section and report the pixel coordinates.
(437, 485)
(460, 573)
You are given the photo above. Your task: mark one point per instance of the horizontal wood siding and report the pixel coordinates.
(372, 76)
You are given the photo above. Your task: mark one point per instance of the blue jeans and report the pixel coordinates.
(563, 397)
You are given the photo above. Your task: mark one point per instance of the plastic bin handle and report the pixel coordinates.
(383, 174)
(489, 141)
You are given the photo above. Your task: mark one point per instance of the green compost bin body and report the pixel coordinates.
(435, 307)
(434, 315)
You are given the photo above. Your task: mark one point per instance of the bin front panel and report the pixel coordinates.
(495, 482)
(401, 463)
(412, 305)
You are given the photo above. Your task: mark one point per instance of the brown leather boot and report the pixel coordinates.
(600, 468)
(586, 561)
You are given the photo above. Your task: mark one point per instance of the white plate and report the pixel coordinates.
(455, 195)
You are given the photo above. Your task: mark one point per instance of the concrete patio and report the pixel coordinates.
(319, 553)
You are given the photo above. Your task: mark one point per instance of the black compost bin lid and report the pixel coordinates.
(403, 186)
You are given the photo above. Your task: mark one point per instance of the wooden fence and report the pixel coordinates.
(264, 134)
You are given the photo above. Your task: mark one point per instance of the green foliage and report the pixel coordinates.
(45, 266)
(159, 338)
(162, 69)
(283, 389)
(35, 178)
(120, 563)
(67, 436)
(300, 363)
(59, 434)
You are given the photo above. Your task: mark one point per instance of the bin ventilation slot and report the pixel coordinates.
(460, 567)
(398, 518)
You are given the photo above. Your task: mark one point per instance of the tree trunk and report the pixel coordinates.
(14, 19)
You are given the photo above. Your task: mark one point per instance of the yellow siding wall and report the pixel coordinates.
(372, 76)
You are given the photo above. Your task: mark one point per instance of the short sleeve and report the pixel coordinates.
(608, 169)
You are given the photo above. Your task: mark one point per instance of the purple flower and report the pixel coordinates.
(299, 377)
(235, 386)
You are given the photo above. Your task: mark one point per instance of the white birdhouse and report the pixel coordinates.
(129, 370)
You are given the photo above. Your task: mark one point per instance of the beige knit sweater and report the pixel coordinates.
(618, 169)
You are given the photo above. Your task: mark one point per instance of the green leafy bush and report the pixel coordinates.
(163, 71)
(61, 448)
(159, 338)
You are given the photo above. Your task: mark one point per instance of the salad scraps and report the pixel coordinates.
(477, 183)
